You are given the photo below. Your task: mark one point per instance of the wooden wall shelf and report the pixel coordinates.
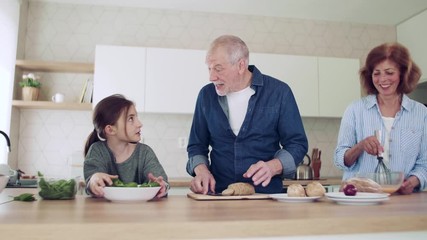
(46, 66)
(51, 66)
(51, 105)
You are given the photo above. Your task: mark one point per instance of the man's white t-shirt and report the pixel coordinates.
(237, 106)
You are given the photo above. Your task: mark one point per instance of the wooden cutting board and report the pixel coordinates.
(202, 197)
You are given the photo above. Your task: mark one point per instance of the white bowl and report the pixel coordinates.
(130, 194)
(3, 182)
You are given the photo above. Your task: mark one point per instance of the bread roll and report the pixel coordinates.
(296, 190)
(239, 189)
(315, 189)
(363, 185)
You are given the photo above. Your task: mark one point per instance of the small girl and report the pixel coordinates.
(113, 149)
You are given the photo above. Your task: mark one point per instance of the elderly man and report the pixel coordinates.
(248, 124)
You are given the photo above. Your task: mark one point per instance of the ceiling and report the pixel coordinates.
(383, 12)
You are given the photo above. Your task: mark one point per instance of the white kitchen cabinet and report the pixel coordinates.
(299, 72)
(163, 80)
(413, 34)
(323, 87)
(174, 78)
(339, 85)
(120, 70)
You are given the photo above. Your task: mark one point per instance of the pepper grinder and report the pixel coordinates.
(316, 163)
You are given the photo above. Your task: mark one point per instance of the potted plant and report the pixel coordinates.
(30, 87)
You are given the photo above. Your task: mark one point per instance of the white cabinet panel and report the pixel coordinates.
(120, 70)
(299, 72)
(162, 80)
(339, 85)
(413, 34)
(174, 78)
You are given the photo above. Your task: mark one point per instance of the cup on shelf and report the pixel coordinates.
(58, 98)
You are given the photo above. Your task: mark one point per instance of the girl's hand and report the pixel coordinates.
(98, 181)
(164, 187)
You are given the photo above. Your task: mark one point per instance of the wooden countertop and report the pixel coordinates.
(185, 182)
(181, 217)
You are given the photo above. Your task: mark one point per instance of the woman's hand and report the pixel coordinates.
(164, 187)
(372, 146)
(98, 181)
(409, 184)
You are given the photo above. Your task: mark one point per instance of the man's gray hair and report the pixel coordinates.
(235, 47)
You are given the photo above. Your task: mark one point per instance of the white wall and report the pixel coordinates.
(9, 25)
(413, 34)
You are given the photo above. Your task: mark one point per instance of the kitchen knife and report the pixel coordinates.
(214, 194)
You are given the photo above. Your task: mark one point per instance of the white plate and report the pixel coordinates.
(358, 199)
(130, 194)
(283, 197)
(359, 195)
(350, 201)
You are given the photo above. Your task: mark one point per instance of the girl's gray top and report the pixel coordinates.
(135, 169)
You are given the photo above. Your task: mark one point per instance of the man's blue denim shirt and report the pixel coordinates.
(272, 121)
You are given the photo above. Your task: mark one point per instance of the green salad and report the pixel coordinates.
(119, 183)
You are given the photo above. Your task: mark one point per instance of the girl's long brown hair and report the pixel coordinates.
(107, 112)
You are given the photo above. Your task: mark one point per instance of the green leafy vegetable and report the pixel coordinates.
(25, 197)
(131, 184)
(150, 184)
(118, 183)
(60, 189)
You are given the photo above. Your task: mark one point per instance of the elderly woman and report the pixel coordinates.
(388, 75)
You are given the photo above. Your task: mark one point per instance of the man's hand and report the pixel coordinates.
(203, 182)
(262, 172)
(98, 181)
